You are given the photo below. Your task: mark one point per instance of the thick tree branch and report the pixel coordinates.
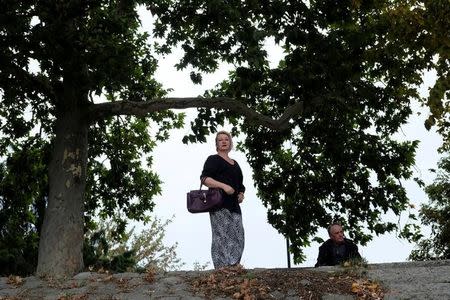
(102, 110)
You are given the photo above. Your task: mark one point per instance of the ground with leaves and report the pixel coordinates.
(406, 280)
(238, 283)
(227, 283)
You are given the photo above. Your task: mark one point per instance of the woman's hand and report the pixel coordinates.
(240, 197)
(228, 189)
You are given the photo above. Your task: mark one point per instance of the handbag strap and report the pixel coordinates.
(202, 180)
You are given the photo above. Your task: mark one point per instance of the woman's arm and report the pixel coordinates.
(212, 183)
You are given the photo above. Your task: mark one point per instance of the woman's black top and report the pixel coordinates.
(221, 170)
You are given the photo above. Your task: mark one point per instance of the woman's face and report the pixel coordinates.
(223, 142)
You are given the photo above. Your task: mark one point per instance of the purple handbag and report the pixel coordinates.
(199, 201)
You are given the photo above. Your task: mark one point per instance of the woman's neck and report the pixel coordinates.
(225, 157)
(223, 154)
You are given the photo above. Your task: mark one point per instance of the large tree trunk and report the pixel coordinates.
(61, 239)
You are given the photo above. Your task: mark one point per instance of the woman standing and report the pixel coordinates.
(220, 171)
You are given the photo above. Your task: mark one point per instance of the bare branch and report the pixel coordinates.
(102, 110)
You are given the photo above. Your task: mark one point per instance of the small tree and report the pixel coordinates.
(130, 251)
(436, 215)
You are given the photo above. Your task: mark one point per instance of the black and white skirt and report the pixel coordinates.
(227, 238)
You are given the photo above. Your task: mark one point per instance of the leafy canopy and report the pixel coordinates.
(355, 68)
(352, 66)
(436, 216)
(57, 55)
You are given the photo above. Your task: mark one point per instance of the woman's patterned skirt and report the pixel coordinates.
(227, 243)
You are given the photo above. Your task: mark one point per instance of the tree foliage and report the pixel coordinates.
(132, 251)
(23, 193)
(58, 58)
(79, 76)
(423, 27)
(23, 196)
(354, 69)
(436, 216)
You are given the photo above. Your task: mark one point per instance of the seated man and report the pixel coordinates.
(337, 249)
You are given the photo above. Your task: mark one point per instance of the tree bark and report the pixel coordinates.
(106, 109)
(61, 239)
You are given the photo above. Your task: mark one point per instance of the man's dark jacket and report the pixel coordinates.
(327, 255)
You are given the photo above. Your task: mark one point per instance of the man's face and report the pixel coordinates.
(336, 234)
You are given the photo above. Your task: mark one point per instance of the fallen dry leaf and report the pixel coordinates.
(366, 289)
(356, 287)
(15, 280)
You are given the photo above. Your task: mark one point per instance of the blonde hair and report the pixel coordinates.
(227, 134)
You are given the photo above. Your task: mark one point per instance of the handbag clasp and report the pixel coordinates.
(203, 197)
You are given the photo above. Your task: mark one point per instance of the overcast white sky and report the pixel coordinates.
(179, 167)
